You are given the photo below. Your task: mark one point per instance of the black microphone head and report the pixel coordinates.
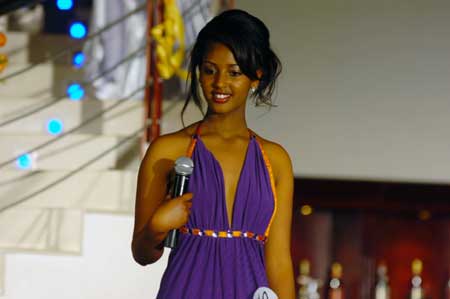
(184, 166)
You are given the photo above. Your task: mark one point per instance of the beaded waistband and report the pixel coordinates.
(223, 234)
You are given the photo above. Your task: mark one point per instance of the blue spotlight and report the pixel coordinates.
(75, 92)
(64, 4)
(24, 161)
(78, 30)
(54, 126)
(78, 59)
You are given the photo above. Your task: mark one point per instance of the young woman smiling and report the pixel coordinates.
(235, 223)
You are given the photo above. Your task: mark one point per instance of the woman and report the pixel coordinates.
(235, 223)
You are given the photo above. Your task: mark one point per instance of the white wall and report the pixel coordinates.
(365, 91)
(105, 270)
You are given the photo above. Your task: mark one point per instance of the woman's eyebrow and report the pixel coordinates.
(210, 62)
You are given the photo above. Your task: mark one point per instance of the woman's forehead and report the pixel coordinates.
(218, 53)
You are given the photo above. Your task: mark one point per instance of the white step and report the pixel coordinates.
(98, 191)
(106, 256)
(50, 220)
(67, 153)
(37, 83)
(48, 230)
(123, 118)
(16, 47)
(42, 82)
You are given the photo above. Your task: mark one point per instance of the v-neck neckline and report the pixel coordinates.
(229, 218)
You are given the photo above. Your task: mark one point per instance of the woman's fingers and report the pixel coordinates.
(173, 212)
(187, 200)
(186, 197)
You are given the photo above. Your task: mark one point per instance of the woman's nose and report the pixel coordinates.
(219, 79)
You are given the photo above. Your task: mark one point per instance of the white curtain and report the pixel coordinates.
(113, 45)
(121, 40)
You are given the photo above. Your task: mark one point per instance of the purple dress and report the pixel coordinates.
(214, 260)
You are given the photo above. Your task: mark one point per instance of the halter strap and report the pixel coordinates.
(194, 140)
(191, 147)
(272, 185)
(198, 129)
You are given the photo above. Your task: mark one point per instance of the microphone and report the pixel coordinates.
(183, 169)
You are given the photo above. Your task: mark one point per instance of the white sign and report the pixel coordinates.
(264, 293)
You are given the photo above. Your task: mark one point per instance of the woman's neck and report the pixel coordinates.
(225, 125)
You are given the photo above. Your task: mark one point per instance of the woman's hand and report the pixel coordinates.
(172, 213)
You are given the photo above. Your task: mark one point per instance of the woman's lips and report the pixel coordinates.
(221, 97)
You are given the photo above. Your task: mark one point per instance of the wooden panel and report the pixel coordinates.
(361, 223)
(312, 240)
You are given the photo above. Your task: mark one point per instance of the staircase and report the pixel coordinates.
(50, 201)
(55, 194)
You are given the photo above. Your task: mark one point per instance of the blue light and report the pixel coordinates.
(78, 30)
(55, 126)
(24, 162)
(64, 4)
(75, 92)
(78, 59)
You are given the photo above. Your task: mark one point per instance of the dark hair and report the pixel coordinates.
(248, 38)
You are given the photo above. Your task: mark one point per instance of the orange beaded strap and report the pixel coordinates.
(272, 183)
(222, 234)
(193, 141)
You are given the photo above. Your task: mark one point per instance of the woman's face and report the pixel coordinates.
(224, 85)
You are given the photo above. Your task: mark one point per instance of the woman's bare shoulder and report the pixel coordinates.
(277, 154)
(172, 145)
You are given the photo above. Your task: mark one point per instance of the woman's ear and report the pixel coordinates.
(259, 74)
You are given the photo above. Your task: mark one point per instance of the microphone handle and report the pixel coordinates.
(179, 188)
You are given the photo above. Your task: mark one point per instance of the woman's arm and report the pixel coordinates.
(155, 216)
(278, 247)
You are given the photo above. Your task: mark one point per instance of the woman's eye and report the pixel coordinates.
(235, 73)
(208, 71)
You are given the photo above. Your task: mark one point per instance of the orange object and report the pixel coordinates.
(3, 62)
(191, 147)
(209, 233)
(250, 234)
(237, 233)
(3, 39)
(222, 234)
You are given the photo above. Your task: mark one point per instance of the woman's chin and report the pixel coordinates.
(219, 104)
